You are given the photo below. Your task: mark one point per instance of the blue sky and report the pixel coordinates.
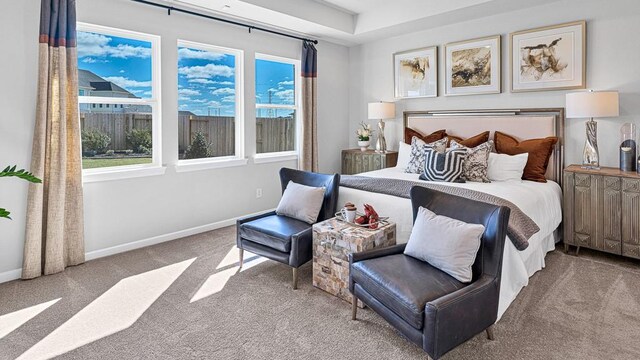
(125, 62)
(206, 79)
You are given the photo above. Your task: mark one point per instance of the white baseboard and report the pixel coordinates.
(17, 273)
(10, 275)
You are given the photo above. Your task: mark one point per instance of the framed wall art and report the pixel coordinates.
(415, 73)
(549, 58)
(473, 67)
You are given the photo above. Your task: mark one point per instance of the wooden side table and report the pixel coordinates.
(333, 241)
(356, 161)
(602, 210)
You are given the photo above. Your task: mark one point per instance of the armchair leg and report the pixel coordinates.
(490, 335)
(354, 307)
(295, 278)
(241, 257)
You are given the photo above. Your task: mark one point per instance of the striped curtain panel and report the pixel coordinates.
(54, 234)
(309, 151)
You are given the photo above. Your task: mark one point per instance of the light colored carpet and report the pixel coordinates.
(585, 307)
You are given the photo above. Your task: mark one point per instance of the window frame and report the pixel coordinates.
(155, 102)
(294, 154)
(238, 159)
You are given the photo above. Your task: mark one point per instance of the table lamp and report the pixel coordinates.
(381, 111)
(589, 105)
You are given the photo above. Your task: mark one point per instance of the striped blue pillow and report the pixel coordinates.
(444, 167)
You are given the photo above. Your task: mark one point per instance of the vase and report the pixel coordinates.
(364, 145)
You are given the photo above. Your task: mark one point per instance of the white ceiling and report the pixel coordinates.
(352, 22)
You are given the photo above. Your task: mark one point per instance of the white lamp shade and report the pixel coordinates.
(382, 110)
(593, 104)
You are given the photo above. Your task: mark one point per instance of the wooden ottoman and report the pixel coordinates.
(333, 241)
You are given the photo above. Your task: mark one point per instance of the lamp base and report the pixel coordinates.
(590, 155)
(381, 143)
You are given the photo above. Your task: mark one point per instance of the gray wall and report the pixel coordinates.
(613, 53)
(125, 211)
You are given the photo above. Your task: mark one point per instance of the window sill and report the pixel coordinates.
(189, 165)
(274, 157)
(89, 176)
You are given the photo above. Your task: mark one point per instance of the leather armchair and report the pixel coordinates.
(284, 239)
(428, 306)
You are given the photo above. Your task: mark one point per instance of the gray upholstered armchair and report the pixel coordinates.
(428, 306)
(282, 238)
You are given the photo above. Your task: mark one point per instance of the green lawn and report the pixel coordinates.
(92, 163)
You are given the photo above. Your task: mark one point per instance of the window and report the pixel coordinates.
(209, 103)
(118, 71)
(277, 99)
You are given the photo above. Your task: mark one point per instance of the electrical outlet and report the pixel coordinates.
(258, 193)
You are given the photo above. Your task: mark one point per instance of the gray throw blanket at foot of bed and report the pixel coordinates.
(520, 228)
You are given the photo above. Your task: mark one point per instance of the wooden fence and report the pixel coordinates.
(272, 134)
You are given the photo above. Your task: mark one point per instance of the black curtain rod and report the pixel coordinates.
(250, 27)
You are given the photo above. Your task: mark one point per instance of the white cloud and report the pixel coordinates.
(126, 82)
(206, 72)
(122, 71)
(229, 99)
(184, 53)
(89, 60)
(214, 104)
(201, 81)
(285, 83)
(188, 92)
(96, 45)
(227, 83)
(199, 101)
(285, 95)
(224, 91)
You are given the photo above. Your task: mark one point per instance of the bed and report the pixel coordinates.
(542, 202)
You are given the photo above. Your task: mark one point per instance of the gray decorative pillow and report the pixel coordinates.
(447, 244)
(416, 158)
(301, 202)
(445, 167)
(474, 167)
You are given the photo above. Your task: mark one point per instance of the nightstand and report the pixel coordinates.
(602, 210)
(356, 161)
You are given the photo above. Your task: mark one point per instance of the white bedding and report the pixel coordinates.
(540, 201)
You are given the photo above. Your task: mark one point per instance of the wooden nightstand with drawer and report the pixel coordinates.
(602, 210)
(356, 161)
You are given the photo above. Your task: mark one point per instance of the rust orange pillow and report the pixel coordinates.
(471, 142)
(434, 136)
(539, 152)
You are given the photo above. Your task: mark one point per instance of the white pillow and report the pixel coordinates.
(503, 167)
(301, 202)
(447, 244)
(404, 155)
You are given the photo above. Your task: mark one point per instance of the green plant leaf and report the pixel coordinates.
(22, 174)
(5, 214)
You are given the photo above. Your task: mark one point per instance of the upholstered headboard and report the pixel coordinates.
(521, 123)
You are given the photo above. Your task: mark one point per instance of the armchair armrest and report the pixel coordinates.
(372, 254)
(301, 247)
(376, 253)
(459, 316)
(246, 220)
(254, 217)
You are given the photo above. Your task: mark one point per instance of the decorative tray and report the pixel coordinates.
(382, 221)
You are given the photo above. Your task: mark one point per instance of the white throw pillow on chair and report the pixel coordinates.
(447, 244)
(301, 202)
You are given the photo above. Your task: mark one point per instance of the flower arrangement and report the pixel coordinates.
(364, 132)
